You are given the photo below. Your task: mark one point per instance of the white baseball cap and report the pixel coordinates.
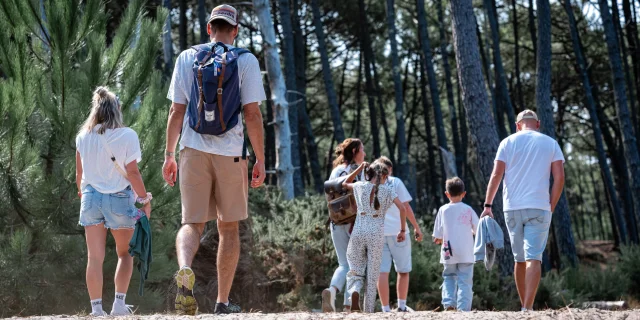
(226, 13)
(527, 114)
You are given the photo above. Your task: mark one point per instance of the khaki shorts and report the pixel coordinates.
(213, 187)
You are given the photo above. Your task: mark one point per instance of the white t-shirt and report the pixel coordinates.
(251, 90)
(97, 168)
(455, 225)
(528, 156)
(344, 170)
(392, 219)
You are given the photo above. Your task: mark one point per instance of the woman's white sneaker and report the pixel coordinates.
(121, 310)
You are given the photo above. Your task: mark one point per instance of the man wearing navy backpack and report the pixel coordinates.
(213, 84)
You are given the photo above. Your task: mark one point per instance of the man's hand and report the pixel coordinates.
(486, 212)
(401, 236)
(258, 175)
(170, 170)
(418, 233)
(147, 209)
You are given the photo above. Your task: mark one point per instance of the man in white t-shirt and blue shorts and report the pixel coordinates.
(213, 167)
(393, 251)
(527, 159)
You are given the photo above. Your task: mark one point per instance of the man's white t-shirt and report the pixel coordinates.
(527, 156)
(455, 225)
(97, 168)
(251, 90)
(392, 218)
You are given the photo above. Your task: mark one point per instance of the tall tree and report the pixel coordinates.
(284, 169)
(433, 82)
(516, 54)
(501, 80)
(447, 75)
(300, 50)
(403, 152)
(561, 216)
(338, 131)
(486, 65)
(634, 48)
(532, 29)
(435, 184)
(202, 19)
(290, 79)
(481, 125)
(365, 47)
(167, 43)
(595, 120)
(183, 26)
(626, 128)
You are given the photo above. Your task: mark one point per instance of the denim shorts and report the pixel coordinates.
(528, 231)
(115, 210)
(399, 252)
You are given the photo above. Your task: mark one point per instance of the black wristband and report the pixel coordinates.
(487, 205)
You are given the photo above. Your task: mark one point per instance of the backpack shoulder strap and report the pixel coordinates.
(105, 144)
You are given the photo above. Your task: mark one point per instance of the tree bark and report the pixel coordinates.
(326, 73)
(628, 137)
(450, 100)
(482, 126)
(532, 30)
(167, 43)
(383, 114)
(365, 48)
(284, 168)
(403, 152)
(356, 127)
(516, 52)
(182, 27)
(595, 121)
(202, 18)
(290, 79)
(497, 111)
(501, 81)
(434, 183)
(300, 50)
(561, 216)
(634, 48)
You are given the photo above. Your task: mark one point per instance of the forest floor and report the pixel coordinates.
(568, 314)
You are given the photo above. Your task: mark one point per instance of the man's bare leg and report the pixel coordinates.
(187, 243)
(228, 256)
(519, 273)
(531, 284)
(383, 288)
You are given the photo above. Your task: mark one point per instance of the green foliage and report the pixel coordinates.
(628, 266)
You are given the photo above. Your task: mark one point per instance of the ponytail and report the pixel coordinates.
(346, 151)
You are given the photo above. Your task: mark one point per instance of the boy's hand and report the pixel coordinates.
(486, 212)
(437, 240)
(401, 236)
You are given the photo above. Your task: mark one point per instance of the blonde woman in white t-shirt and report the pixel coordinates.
(107, 155)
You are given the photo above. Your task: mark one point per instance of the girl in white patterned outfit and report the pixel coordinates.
(373, 199)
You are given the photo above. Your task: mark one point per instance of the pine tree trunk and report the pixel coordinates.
(599, 208)
(634, 48)
(516, 53)
(464, 138)
(284, 169)
(501, 81)
(450, 100)
(532, 30)
(356, 128)
(167, 43)
(434, 182)
(326, 73)
(290, 79)
(365, 47)
(497, 113)
(628, 137)
(300, 50)
(403, 153)
(595, 121)
(383, 113)
(202, 18)
(561, 216)
(270, 143)
(483, 130)
(182, 27)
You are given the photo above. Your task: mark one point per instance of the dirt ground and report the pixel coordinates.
(568, 314)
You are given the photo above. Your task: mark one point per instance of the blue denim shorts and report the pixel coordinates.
(115, 210)
(398, 252)
(528, 231)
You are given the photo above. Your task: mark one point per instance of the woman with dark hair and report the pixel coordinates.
(364, 253)
(349, 155)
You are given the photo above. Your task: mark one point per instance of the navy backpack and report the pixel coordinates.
(215, 96)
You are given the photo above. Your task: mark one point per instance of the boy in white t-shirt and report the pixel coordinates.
(454, 228)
